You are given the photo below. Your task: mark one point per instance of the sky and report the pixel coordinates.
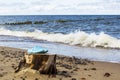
(59, 7)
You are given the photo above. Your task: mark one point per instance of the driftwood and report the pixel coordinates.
(45, 64)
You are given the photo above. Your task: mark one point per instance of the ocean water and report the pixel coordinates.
(96, 37)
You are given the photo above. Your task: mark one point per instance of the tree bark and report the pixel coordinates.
(46, 64)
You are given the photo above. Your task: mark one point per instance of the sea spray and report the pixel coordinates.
(79, 38)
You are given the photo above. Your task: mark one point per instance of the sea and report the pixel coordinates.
(94, 37)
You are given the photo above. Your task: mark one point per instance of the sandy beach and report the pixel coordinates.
(83, 69)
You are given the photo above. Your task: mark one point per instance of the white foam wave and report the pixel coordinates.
(77, 38)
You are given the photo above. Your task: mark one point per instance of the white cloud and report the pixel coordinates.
(59, 7)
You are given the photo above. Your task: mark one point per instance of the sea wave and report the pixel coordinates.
(79, 38)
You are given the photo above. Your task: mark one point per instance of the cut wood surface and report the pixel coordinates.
(45, 64)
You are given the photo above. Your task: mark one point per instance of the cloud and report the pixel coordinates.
(60, 7)
(41, 2)
(12, 4)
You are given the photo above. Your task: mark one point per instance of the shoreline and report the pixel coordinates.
(83, 70)
(25, 50)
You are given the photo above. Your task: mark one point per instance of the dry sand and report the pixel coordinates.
(82, 70)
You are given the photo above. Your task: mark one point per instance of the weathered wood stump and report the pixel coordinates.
(44, 63)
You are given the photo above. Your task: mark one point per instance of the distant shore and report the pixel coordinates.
(82, 69)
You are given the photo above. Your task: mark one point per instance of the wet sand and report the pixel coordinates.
(67, 69)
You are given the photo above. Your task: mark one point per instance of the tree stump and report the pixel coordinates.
(44, 63)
